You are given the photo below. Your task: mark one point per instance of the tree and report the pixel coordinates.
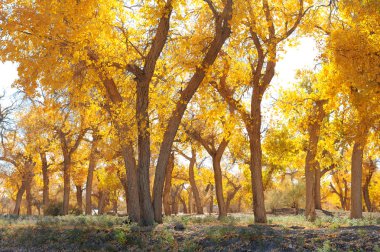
(353, 60)
(263, 28)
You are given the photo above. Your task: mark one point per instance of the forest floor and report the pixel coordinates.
(284, 232)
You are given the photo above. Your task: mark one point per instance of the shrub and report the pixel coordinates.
(76, 211)
(54, 209)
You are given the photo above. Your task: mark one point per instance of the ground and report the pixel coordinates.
(284, 232)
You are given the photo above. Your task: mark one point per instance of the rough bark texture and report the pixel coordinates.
(133, 202)
(184, 206)
(168, 186)
(311, 164)
(369, 171)
(28, 189)
(190, 201)
(90, 174)
(19, 195)
(219, 185)
(194, 187)
(175, 195)
(79, 196)
(66, 183)
(318, 203)
(231, 195)
(102, 201)
(356, 181)
(45, 179)
(222, 32)
(255, 159)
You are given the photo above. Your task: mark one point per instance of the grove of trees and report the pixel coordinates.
(156, 107)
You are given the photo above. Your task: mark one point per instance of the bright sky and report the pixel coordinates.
(301, 56)
(8, 74)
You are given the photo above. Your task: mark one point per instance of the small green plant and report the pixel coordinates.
(120, 236)
(326, 247)
(165, 237)
(190, 246)
(376, 248)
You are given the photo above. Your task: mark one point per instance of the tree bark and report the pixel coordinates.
(211, 207)
(168, 186)
(133, 202)
(219, 186)
(356, 181)
(20, 192)
(102, 201)
(123, 181)
(114, 206)
(311, 164)
(79, 195)
(366, 197)
(184, 206)
(28, 189)
(143, 139)
(193, 184)
(371, 167)
(231, 196)
(90, 174)
(175, 198)
(318, 203)
(222, 32)
(45, 179)
(66, 183)
(190, 201)
(255, 158)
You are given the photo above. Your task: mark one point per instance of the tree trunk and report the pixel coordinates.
(133, 202)
(310, 187)
(114, 206)
(219, 186)
(318, 203)
(175, 197)
(101, 202)
(211, 203)
(356, 181)
(366, 197)
(231, 196)
(371, 167)
(239, 204)
(20, 192)
(28, 189)
(193, 184)
(66, 183)
(223, 31)
(123, 181)
(311, 164)
(79, 195)
(183, 202)
(90, 174)
(190, 201)
(143, 138)
(168, 186)
(45, 179)
(255, 158)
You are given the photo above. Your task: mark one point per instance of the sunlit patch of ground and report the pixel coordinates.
(191, 233)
